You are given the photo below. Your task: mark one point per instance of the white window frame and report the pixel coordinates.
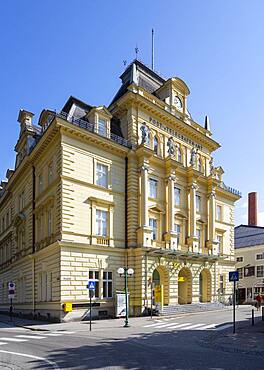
(153, 189)
(107, 280)
(102, 126)
(177, 196)
(219, 239)
(154, 234)
(101, 222)
(239, 259)
(262, 269)
(198, 203)
(178, 231)
(101, 172)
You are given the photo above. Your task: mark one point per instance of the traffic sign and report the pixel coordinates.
(233, 276)
(91, 285)
(11, 289)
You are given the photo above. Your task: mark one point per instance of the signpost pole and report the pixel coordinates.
(234, 309)
(90, 310)
(151, 305)
(11, 309)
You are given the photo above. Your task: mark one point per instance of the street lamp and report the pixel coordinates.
(126, 272)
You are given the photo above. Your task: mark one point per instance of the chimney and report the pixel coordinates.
(252, 209)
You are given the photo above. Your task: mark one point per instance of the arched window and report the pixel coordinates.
(155, 144)
(179, 155)
(200, 166)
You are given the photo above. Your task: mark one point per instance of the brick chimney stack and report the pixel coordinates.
(252, 209)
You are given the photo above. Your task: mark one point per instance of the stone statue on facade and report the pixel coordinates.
(144, 134)
(170, 145)
(194, 153)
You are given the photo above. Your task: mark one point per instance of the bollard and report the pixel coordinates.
(262, 313)
(253, 318)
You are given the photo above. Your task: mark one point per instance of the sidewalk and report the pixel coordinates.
(247, 339)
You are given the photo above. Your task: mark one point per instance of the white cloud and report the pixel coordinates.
(261, 218)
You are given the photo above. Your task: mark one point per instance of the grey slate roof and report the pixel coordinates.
(248, 236)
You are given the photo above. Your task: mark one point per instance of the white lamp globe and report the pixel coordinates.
(120, 271)
(130, 271)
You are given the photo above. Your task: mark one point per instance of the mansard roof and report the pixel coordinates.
(248, 236)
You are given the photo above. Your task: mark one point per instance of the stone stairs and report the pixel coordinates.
(190, 308)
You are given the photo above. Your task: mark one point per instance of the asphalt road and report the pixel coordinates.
(159, 343)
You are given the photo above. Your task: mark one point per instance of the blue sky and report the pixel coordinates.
(53, 49)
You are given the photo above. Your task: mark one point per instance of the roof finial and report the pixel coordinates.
(152, 53)
(136, 50)
(207, 123)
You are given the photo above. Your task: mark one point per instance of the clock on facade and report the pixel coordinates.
(178, 102)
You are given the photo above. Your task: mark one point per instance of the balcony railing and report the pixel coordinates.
(231, 190)
(89, 127)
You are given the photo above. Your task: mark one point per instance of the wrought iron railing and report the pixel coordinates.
(231, 190)
(89, 127)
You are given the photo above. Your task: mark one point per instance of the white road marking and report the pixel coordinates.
(166, 325)
(156, 323)
(30, 336)
(2, 343)
(180, 325)
(55, 366)
(13, 339)
(195, 326)
(66, 332)
(53, 334)
(224, 327)
(207, 327)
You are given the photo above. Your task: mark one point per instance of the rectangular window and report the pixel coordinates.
(249, 271)
(40, 183)
(94, 276)
(101, 175)
(222, 284)
(50, 173)
(219, 239)
(260, 271)
(218, 213)
(198, 203)
(260, 256)
(177, 229)
(153, 225)
(199, 237)
(240, 273)
(153, 188)
(49, 222)
(239, 259)
(101, 222)
(102, 126)
(177, 196)
(107, 284)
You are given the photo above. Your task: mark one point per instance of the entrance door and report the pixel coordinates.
(205, 286)
(185, 286)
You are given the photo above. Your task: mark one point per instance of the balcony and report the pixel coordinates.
(89, 127)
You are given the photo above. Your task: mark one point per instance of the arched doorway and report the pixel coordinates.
(160, 278)
(205, 286)
(185, 286)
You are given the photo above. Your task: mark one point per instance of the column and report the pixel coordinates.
(170, 202)
(110, 225)
(144, 195)
(192, 210)
(212, 244)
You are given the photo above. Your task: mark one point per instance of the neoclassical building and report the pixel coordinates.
(98, 188)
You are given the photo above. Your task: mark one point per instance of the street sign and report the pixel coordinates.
(91, 285)
(233, 276)
(11, 290)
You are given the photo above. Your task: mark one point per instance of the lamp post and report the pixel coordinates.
(126, 272)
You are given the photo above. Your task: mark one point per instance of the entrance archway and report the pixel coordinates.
(185, 286)
(205, 286)
(160, 277)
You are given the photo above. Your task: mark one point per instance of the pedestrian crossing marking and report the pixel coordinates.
(192, 326)
(207, 327)
(54, 334)
(2, 343)
(180, 325)
(166, 325)
(13, 339)
(30, 336)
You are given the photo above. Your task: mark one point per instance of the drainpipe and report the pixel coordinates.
(33, 235)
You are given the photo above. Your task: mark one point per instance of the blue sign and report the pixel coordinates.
(91, 285)
(233, 276)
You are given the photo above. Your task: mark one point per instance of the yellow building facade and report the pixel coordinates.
(97, 188)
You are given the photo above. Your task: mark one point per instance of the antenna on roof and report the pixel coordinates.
(152, 54)
(124, 62)
(136, 50)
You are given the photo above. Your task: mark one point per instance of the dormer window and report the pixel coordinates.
(177, 102)
(102, 126)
